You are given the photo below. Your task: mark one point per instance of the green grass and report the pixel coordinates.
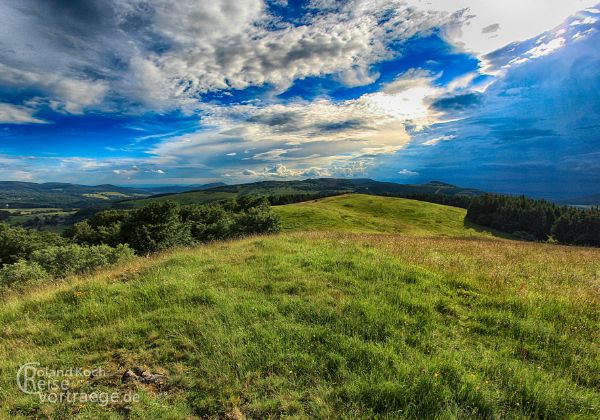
(361, 213)
(323, 325)
(382, 307)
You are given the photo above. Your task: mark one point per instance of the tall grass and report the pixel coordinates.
(324, 325)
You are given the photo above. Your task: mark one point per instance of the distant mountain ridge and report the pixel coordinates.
(316, 186)
(587, 200)
(18, 194)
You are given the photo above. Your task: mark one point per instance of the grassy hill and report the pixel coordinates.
(322, 186)
(370, 214)
(344, 323)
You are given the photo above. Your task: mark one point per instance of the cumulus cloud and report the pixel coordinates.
(14, 114)
(281, 171)
(162, 54)
(536, 138)
(150, 57)
(300, 135)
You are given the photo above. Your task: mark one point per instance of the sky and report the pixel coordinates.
(502, 96)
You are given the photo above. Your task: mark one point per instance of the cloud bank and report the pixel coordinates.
(191, 91)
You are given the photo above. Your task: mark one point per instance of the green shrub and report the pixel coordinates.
(19, 243)
(102, 228)
(155, 227)
(82, 233)
(164, 224)
(208, 222)
(259, 219)
(61, 261)
(22, 271)
(4, 215)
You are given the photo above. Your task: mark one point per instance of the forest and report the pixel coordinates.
(536, 220)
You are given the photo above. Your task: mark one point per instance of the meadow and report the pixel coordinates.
(363, 307)
(360, 213)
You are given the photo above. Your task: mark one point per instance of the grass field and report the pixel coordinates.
(361, 213)
(327, 324)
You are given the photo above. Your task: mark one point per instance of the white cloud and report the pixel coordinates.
(350, 169)
(22, 176)
(274, 154)
(436, 140)
(406, 172)
(583, 34)
(516, 20)
(68, 94)
(14, 114)
(164, 54)
(326, 134)
(546, 48)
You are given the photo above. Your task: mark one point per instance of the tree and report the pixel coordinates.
(155, 227)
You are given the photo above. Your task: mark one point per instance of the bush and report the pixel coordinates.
(22, 271)
(60, 261)
(208, 222)
(19, 243)
(82, 233)
(155, 227)
(258, 219)
(102, 228)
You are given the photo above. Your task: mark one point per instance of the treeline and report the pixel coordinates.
(115, 235)
(525, 218)
(280, 200)
(164, 224)
(536, 219)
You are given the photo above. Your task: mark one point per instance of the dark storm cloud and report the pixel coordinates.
(523, 134)
(458, 102)
(283, 119)
(340, 126)
(83, 15)
(491, 29)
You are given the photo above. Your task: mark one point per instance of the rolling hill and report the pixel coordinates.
(316, 187)
(373, 214)
(402, 316)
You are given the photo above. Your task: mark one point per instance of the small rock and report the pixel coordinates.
(129, 376)
(147, 376)
(143, 376)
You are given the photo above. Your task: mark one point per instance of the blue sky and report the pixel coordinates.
(501, 96)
